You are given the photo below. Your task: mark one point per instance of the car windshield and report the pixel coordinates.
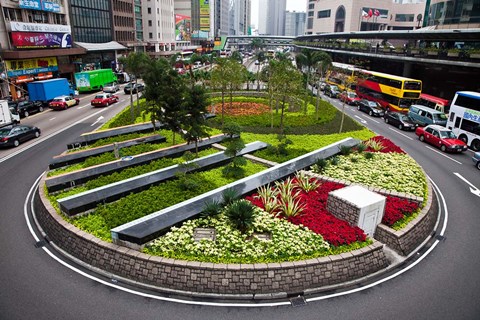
(439, 116)
(4, 132)
(58, 99)
(100, 96)
(110, 84)
(372, 104)
(351, 94)
(447, 134)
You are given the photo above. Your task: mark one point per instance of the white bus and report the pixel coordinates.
(464, 118)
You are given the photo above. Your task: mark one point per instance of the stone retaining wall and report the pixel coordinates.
(241, 280)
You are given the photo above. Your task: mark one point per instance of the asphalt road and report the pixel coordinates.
(36, 284)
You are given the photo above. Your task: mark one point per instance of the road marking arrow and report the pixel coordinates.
(97, 121)
(473, 189)
(361, 120)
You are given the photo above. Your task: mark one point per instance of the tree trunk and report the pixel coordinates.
(282, 114)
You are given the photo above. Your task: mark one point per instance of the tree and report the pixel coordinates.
(193, 126)
(135, 63)
(234, 144)
(286, 81)
(256, 44)
(165, 95)
(323, 64)
(250, 79)
(307, 58)
(260, 57)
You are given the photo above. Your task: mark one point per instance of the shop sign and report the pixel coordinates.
(39, 27)
(24, 67)
(43, 5)
(30, 40)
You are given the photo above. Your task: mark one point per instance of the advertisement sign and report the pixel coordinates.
(16, 68)
(39, 27)
(43, 5)
(205, 15)
(30, 40)
(472, 115)
(82, 80)
(182, 28)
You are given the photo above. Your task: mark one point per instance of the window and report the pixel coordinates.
(309, 23)
(149, 23)
(150, 35)
(12, 14)
(311, 6)
(149, 10)
(323, 14)
(404, 17)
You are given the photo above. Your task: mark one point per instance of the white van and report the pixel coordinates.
(425, 116)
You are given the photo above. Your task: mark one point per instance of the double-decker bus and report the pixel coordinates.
(464, 118)
(342, 75)
(392, 92)
(440, 104)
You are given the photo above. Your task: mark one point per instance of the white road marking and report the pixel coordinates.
(443, 154)
(473, 189)
(52, 118)
(401, 133)
(361, 119)
(374, 121)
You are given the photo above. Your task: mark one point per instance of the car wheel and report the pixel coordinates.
(476, 145)
(37, 134)
(463, 138)
(422, 138)
(16, 143)
(26, 114)
(386, 120)
(443, 148)
(400, 127)
(358, 108)
(40, 109)
(370, 113)
(478, 165)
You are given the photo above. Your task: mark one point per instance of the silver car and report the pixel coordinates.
(111, 87)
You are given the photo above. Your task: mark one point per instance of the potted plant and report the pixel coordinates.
(432, 51)
(454, 52)
(474, 53)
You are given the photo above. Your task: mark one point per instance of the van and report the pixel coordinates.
(425, 116)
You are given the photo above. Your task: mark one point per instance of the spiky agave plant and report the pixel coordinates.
(241, 213)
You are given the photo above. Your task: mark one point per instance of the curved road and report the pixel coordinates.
(36, 285)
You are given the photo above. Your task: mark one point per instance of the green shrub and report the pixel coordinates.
(241, 214)
(211, 209)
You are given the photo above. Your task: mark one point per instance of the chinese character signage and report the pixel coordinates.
(24, 67)
(30, 40)
(182, 28)
(42, 5)
(205, 15)
(39, 27)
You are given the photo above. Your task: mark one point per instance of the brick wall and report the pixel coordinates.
(246, 280)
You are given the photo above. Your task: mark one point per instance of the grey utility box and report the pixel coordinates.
(359, 206)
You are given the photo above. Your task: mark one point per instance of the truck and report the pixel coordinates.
(94, 79)
(46, 90)
(8, 115)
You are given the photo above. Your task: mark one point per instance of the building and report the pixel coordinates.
(454, 14)
(368, 15)
(294, 23)
(36, 43)
(272, 17)
(159, 26)
(240, 12)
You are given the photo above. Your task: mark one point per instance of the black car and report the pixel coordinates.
(400, 120)
(332, 91)
(370, 107)
(14, 135)
(133, 87)
(27, 107)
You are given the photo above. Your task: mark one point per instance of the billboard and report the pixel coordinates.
(39, 27)
(43, 5)
(33, 40)
(205, 15)
(182, 28)
(16, 68)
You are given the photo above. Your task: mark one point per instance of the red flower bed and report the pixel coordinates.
(241, 108)
(335, 231)
(388, 145)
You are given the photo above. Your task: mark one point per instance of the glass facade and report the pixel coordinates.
(454, 12)
(91, 21)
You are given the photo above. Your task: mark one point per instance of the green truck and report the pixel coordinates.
(94, 80)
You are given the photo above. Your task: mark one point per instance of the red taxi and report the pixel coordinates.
(63, 102)
(441, 137)
(104, 100)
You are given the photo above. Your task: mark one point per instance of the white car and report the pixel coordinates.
(111, 87)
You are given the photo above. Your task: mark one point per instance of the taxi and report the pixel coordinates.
(104, 100)
(63, 102)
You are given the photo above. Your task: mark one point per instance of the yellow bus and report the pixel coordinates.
(392, 92)
(342, 75)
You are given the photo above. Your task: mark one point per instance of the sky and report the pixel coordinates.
(292, 5)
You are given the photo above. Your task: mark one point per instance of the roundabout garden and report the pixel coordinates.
(277, 239)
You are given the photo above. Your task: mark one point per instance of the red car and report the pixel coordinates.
(349, 97)
(63, 102)
(104, 100)
(441, 137)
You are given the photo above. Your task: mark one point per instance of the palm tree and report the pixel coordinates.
(323, 64)
(260, 56)
(307, 58)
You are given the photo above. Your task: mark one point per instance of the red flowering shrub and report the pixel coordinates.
(388, 145)
(335, 231)
(396, 209)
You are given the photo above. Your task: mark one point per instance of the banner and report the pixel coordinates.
(182, 28)
(31, 40)
(39, 27)
(42, 5)
(205, 15)
(23, 67)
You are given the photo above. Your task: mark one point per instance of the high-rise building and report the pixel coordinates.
(272, 17)
(240, 17)
(158, 26)
(294, 23)
(220, 17)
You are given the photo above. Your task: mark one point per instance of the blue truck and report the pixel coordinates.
(46, 90)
